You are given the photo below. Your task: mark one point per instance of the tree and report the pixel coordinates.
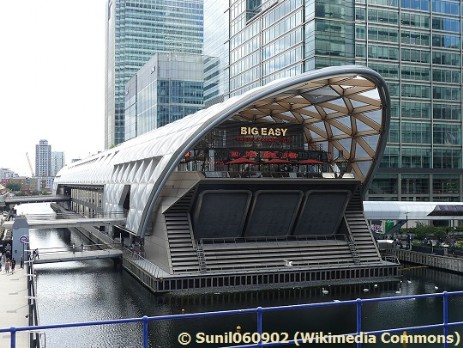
(430, 232)
(15, 187)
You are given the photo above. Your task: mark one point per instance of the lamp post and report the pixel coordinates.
(409, 235)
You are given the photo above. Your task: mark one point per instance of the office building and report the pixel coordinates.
(135, 31)
(57, 162)
(415, 45)
(167, 88)
(216, 51)
(6, 173)
(43, 159)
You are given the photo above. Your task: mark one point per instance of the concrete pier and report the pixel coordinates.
(436, 261)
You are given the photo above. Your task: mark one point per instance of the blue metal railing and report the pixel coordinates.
(260, 338)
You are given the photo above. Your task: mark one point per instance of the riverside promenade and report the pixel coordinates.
(14, 309)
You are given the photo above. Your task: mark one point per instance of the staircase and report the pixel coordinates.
(276, 254)
(183, 256)
(362, 239)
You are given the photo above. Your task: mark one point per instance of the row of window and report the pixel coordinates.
(409, 55)
(450, 7)
(407, 37)
(423, 110)
(438, 92)
(333, 9)
(416, 184)
(416, 20)
(420, 157)
(420, 133)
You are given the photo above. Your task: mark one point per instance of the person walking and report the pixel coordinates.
(7, 266)
(13, 265)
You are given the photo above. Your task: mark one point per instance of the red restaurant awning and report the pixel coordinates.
(310, 161)
(276, 161)
(242, 160)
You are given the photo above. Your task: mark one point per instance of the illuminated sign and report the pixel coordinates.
(263, 131)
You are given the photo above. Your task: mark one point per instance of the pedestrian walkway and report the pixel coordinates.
(14, 309)
(62, 256)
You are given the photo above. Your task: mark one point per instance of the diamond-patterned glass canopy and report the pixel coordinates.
(344, 111)
(343, 115)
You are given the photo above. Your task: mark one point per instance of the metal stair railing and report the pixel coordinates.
(353, 250)
(201, 258)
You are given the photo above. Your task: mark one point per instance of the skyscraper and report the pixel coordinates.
(43, 159)
(216, 51)
(168, 87)
(415, 44)
(135, 31)
(57, 162)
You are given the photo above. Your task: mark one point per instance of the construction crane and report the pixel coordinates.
(30, 164)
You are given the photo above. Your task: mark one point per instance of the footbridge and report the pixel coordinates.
(67, 223)
(20, 237)
(36, 199)
(75, 253)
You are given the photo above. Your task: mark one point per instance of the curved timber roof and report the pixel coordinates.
(344, 110)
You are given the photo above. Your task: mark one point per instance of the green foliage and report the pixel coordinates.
(15, 187)
(422, 231)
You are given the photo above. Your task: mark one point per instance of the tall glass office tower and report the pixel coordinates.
(167, 88)
(135, 31)
(415, 44)
(216, 50)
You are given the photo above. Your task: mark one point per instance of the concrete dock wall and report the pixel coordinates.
(437, 261)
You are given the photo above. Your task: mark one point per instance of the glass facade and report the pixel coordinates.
(135, 31)
(216, 51)
(416, 45)
(167, 88)
(266, 42)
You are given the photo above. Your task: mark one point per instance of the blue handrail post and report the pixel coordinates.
(259, 324)
(13, 337)
(445, 305)
(145, 331)
(359, 319)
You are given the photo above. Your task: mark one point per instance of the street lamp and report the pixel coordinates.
(406, 217)
(409, 235)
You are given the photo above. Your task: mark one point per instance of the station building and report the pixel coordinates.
(263, 190)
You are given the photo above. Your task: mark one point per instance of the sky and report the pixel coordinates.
(52, 78)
